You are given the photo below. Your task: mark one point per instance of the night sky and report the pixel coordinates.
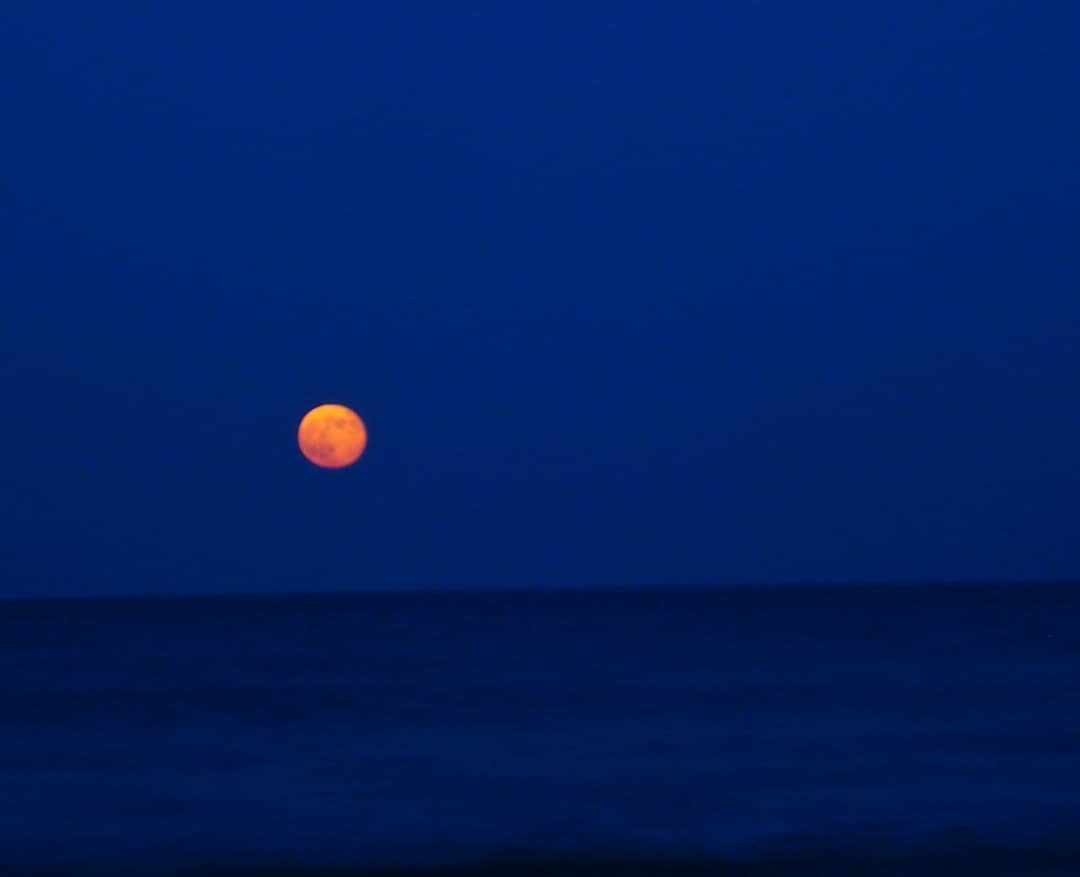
(627, 293)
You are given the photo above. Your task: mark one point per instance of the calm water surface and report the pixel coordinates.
(423, 728)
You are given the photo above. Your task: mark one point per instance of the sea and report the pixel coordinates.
(861, 729)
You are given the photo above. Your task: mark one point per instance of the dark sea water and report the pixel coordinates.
(850, 730)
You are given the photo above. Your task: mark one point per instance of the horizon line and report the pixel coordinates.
(401, 590)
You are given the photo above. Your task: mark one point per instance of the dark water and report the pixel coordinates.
(769, 731)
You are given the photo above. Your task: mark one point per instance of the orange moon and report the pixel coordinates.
(332, 436)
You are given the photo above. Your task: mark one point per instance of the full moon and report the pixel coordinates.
(332, 436)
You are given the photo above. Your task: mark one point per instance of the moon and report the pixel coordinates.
(332, 436)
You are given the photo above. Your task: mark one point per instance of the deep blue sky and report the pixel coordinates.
(626, 292)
